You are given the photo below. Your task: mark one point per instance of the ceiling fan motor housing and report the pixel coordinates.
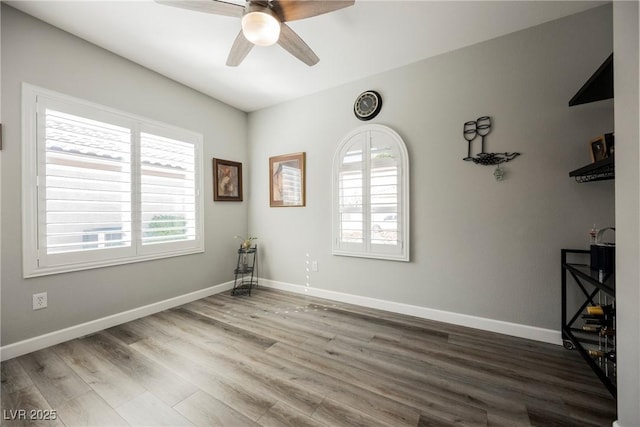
(260, 25)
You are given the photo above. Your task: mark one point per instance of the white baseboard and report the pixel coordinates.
(523, 331)
(37, 343)
(499, 326)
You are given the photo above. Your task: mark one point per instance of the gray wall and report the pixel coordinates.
(463, 222)
(479, 247)
(0, 170)
(37, 53)
(627, 209)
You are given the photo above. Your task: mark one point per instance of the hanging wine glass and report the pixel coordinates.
(483, 125)
(469, 132)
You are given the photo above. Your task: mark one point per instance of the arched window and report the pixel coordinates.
(371, 195)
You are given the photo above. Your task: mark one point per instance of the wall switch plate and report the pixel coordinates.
(39, 301)
(314, 265)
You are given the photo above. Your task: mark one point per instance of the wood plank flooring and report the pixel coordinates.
(280, 359)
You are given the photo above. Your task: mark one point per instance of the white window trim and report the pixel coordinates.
(30, 184)
(345, 249)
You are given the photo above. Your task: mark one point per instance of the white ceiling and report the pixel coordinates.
(362, 40)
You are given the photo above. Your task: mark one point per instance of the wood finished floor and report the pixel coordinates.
(280, 359)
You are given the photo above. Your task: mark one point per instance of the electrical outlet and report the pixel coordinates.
(314, 266)
(39, 301)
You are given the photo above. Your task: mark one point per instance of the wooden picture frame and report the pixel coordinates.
(227, 181)
(287, 180)
(601, 147)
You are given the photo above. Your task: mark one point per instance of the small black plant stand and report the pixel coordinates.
(246, 272)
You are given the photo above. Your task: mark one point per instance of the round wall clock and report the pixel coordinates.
(367, 105)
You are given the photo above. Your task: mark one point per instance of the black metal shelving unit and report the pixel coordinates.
(597, 289)
(598, 171)
(246, 272)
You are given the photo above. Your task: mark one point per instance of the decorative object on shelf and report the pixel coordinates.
(227, 181)
(287, 180)
(482, 127)
(245, 246)
(246, 242)
(603, 254)
(601, 147)
(368, 104)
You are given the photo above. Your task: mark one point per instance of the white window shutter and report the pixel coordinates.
(103, 187)
(84, 188)
(168, 189)
(371, 195)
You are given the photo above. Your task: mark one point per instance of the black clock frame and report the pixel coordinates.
(374, 112)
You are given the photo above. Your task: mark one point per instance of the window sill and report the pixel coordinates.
(30, 271)
(388, 257)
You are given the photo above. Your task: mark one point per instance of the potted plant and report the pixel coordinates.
(246, 242)
(245, 245)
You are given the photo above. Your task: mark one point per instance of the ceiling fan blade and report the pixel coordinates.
(291, 10)
(292, 43)
(241, 47)
(208, 6)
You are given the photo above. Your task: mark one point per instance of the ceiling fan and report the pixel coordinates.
(263, 23)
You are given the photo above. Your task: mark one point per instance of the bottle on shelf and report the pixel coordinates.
(600, 319)
(593, 235)
(602, 330)
(601, 310)
(607, 332)
(605, 320)
(608, 355)
(592, 328)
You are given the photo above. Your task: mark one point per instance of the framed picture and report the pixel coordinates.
(287, 180)
(601, 147)
(227, 181)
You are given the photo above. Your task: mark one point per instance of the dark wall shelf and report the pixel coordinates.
(598, 171)
(598, 87)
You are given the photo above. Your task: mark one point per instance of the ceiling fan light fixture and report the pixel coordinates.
(261, 27)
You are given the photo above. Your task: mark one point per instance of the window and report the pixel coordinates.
(371, 195)
(103, 187)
